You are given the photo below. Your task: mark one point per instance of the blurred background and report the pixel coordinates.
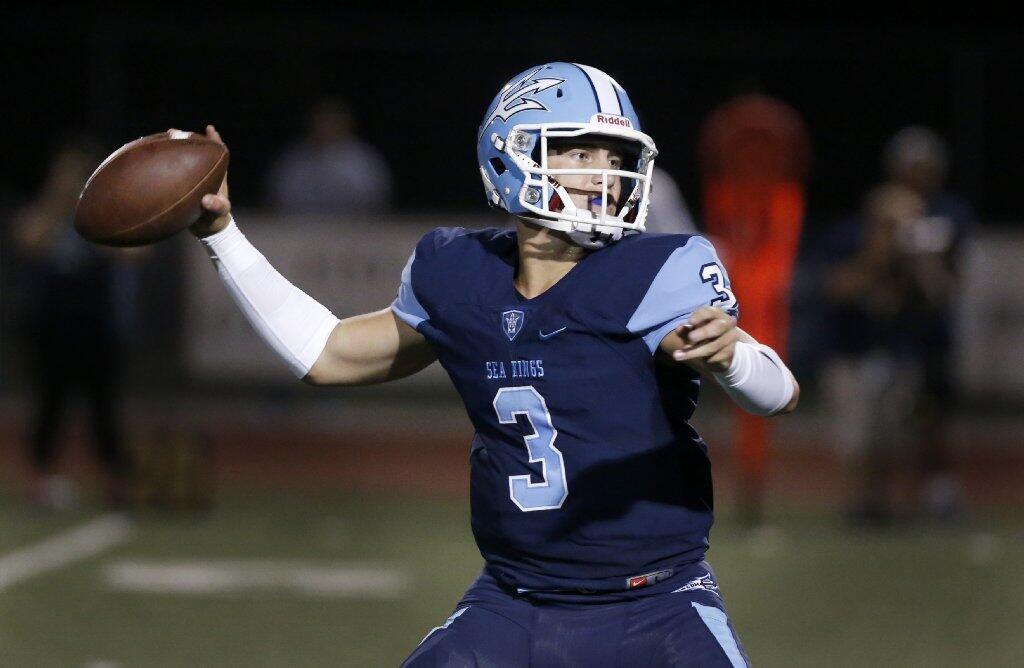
(170, 495)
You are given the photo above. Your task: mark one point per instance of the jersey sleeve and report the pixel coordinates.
(406, 305)
(691, 277)
(440, 266)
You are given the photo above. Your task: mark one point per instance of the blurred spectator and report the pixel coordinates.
(890, 373)
(331, 171)
(667, 213)
(871, 382)
(73, 313)
(918, 159)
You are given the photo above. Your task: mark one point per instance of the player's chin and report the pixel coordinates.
(609, 210)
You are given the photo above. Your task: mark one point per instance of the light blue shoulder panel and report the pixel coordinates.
(406, 306)
(691, 277)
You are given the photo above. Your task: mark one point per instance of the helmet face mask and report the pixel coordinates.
(571, 102)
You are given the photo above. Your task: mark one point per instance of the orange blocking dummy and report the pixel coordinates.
(754, 155)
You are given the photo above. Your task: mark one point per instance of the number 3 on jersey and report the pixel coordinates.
(553, 489)
(713, 274)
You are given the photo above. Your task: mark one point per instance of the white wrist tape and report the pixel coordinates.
(757, 379)
(294, 324)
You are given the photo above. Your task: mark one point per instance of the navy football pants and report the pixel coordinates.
(491, 627)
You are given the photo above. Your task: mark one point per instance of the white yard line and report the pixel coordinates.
(81, 542)
(344, 580)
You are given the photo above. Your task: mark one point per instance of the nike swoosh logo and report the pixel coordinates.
(544, 337)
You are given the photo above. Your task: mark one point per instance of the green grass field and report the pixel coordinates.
(805, 593)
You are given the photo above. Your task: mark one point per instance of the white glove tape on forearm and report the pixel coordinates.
(294, 324)
(757, 380)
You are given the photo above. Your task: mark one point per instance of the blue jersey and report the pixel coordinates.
(585, 474)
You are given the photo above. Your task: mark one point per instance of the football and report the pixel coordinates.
(150, 189)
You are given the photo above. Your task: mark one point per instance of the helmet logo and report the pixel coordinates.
(512, 323)
(610, 119)
(513, 99)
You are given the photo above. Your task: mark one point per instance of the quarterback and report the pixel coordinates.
(577, 343)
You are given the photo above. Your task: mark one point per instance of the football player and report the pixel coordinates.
(577, 344)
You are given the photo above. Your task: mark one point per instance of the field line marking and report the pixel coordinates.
(329, 579)
(81, 542)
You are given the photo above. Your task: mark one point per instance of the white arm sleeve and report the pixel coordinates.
(757, 380)
(294, 324)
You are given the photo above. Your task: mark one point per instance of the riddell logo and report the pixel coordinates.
(607, 119)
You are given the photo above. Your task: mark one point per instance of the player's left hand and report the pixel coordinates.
(707, 341)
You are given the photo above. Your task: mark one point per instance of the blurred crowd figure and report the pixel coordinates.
(890, 377)
(667, 212)
(754, 153)
(330, 171)
(74, 307)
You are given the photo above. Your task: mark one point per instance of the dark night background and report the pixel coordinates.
(420, 80)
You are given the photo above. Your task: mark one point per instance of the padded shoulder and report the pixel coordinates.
(654, 282)
(454, 264)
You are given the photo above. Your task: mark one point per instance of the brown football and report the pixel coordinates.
(150, 189)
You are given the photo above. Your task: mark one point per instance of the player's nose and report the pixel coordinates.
(598, 179)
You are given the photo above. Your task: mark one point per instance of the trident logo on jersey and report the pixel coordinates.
(512, 322)
(513, 99)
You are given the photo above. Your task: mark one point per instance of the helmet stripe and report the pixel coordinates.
(607, 99)
(593, 90)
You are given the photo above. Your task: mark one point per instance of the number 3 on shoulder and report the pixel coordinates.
(713, 273)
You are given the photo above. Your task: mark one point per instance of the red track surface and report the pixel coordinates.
(422, 464)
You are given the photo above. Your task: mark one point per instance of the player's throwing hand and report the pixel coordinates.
(218, 205)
